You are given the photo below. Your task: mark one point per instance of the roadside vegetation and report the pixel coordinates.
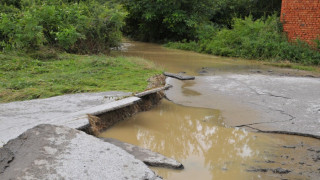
(55, 47)
(236, 28)
(260, 39)
(24, 78)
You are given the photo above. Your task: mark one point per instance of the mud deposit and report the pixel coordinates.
(198, 138)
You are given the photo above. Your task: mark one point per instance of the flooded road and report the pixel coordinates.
(192, 63)
(198, 138)
(201, 135)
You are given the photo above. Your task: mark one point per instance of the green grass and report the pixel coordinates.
(25, 78)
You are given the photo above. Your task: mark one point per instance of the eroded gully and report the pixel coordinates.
(201, 122)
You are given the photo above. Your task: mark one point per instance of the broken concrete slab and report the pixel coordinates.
(104, 120)
(58, 152)
(179, 76)
(147, 156)
(151, 91)
(17, 117)
(80, 118)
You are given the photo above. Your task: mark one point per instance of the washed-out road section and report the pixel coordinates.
(17, 117)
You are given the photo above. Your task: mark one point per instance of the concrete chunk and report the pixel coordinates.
(179, 76)
(58, 152)
(145, 93)
(147, 156)
(80, 118)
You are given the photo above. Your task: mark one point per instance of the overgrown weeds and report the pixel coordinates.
(74, 26)
(260, 39)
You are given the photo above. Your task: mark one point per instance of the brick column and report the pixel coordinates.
(301, 19)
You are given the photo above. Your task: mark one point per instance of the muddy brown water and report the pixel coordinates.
(201, 139)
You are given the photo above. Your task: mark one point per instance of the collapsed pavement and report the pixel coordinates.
(17, 117)
(59, 152)
(50, 151)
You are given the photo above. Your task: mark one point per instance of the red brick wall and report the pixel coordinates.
(301, 19)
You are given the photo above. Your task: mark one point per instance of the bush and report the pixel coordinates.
(253, 39)
(162, 20)
(154, 20)
(74, 26)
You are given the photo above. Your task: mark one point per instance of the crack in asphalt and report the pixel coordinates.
(284, 113)
(284, 132)
(281, 111)
(256, 92)
(278, 96)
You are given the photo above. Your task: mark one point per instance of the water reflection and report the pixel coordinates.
(188, 92)
(194, 136)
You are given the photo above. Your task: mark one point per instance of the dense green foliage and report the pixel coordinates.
(154, 20)
(161, 20)
(71, 25)
(226, 10)
(252, 39)
(22, 77)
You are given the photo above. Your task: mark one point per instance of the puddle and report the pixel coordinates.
(198, 138)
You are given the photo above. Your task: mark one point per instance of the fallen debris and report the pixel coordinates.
(289, 147)
(179, 76)
(280, 171)
(257, 170)
(147, 156)
(276, 171)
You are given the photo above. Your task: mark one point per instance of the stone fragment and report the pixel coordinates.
(58, 152)
(257, 170)
(179, 76)
(280, 171)
(147, 156)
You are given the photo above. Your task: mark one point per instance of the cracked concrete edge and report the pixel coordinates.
(148, 92)
(145, 155)
(179, 76)
(279, 132)
(79, 120)
(59, 152)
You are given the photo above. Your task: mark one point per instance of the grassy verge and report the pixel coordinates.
(24, 78)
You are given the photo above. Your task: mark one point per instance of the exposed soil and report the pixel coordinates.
(102, 122)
